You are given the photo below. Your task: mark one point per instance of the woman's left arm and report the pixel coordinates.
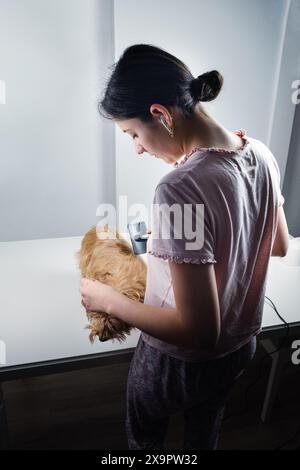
(195, 323)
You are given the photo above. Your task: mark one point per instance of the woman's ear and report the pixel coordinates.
(160, 112)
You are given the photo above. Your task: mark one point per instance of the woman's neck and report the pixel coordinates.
(204, 131)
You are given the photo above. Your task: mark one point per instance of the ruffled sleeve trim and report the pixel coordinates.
(182, 259)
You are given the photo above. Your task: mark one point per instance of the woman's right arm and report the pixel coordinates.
(281, 242)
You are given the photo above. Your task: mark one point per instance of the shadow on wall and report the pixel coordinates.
(291, 188)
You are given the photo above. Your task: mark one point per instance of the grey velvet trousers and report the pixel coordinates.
(160, 385)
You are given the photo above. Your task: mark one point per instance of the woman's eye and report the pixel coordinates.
(134, 136)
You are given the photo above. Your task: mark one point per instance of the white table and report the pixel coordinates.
(42, 318)
(42, 321)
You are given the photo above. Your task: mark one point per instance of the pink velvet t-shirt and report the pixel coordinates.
(240, 193)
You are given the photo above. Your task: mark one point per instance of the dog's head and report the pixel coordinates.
(106, 256)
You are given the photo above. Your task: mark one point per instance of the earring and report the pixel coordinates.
(171, 132)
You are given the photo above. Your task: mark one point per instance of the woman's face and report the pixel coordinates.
(152, 138)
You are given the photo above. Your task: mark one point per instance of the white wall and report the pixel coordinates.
(58, 158)
(288, 70)
(246, 41)
(56, 154)
(291, 187)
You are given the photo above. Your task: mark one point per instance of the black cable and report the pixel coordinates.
(298, 429)
(254, 383)
(268, 354)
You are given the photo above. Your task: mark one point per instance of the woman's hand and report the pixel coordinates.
(96, 296)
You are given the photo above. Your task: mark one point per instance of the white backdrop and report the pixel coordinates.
(57, 160)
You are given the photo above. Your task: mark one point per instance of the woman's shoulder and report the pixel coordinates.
(183, 173)
(191, 174)
(169, 178)
(178, 188)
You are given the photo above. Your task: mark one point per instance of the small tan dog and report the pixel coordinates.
(109, 258)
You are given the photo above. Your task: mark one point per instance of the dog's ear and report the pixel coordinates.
(85, 253)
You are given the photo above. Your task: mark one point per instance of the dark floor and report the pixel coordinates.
(86, 410)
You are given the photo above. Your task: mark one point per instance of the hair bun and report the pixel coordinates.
(207, 86)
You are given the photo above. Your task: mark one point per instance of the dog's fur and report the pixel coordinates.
(109, 258)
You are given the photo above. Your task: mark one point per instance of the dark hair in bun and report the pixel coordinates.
(146, 74)
(207, 86)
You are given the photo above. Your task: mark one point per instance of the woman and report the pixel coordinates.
(204, 299)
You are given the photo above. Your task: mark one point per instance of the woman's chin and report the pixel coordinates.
(165, 158)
